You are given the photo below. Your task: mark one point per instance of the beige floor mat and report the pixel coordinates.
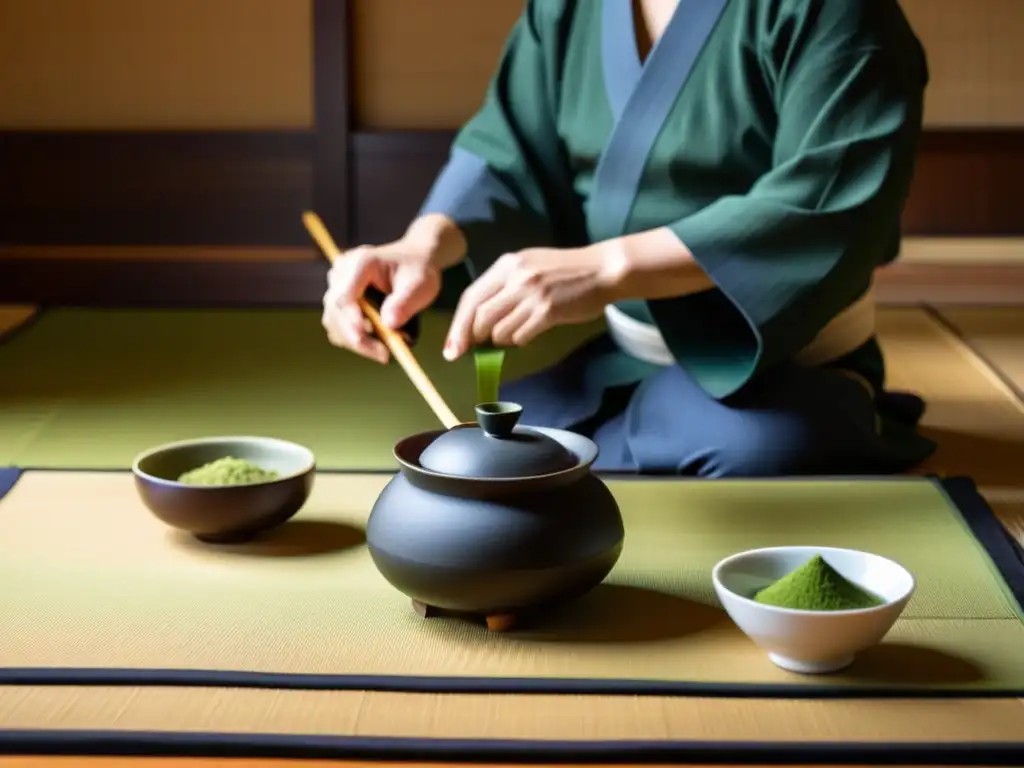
(976, 419)
(308, 600)
(993, 342)
(1008, 504)
(997, 334)
(371, 714)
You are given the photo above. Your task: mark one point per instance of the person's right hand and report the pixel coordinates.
(406, 271)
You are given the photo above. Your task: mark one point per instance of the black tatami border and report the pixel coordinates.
(159, 744)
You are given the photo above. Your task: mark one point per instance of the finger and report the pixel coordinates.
(340, 324)
(377, 350)
(538, 322)
(333, 335)
(413, 289)
(353, 273)
(367, 343)
(460, 333)
(493, 311)
(503, 333)
(342, 267)
(352, 330)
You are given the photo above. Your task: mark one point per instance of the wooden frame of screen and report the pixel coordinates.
(239, 195)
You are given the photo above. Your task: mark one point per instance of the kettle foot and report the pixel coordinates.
(425, 611)
(499, 622)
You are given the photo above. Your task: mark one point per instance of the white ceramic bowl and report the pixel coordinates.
(811, 642)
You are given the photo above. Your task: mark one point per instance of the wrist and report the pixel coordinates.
(651, 265)
(613, 266)
(439, 238)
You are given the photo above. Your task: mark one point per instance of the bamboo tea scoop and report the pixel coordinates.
(392, 339)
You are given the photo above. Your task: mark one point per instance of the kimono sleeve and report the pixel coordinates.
(803, 242)
(505, 169)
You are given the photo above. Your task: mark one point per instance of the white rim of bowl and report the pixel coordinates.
(310, 464)
(821, 550)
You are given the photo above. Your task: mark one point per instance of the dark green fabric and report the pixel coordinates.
(847, 81)
(514, 132)
(783, 166)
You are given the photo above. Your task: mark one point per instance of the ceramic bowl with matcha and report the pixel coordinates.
(225, 489)
(812, 609)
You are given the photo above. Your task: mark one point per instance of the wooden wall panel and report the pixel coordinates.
(975, 53)
(168, 64)
(155, 188)
(210, 215)
(424, 65)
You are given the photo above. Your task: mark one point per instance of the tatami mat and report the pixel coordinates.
(142, 378)
(976, 419)
(979, 427)
(998, 335)
(102, 585)
(13, 316)
(511, 716)
(1008, 505)
(994, 338)
(972, 413)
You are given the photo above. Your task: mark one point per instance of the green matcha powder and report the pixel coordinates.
(816, 586)
(228, 471)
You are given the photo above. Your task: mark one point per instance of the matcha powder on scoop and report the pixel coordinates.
(816, 586)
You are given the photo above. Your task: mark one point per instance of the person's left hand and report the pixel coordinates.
(524, 294)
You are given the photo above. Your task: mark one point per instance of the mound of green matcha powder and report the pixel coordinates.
(816, 586)
(228, 471)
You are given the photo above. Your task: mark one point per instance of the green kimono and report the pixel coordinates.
(775, 138)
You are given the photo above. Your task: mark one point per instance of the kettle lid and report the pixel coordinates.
(496, 447)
